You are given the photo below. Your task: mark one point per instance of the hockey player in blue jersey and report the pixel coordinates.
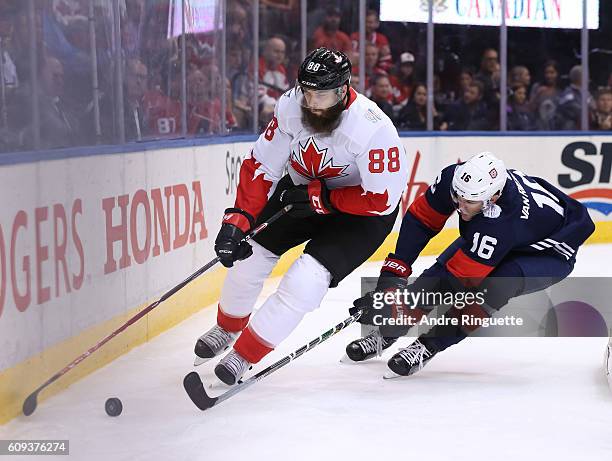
(511, 225)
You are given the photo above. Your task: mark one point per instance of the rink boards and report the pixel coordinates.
(86, 241)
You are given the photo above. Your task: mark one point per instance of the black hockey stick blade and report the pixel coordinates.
(29, 404)
(196, 392)
(195, 388)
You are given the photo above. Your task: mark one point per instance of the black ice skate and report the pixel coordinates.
(409, 360)
(212, 343)
(231, 368)
(367, 347)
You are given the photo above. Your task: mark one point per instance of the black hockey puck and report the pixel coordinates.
(113, 406)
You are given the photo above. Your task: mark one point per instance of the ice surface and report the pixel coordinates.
(486, 398)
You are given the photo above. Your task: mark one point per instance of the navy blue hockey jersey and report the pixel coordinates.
(535, 217)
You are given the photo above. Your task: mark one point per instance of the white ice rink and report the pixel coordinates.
(484, 399)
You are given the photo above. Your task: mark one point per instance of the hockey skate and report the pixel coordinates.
(409, 360)
(367, 347)
(231, 368)
(212, 343)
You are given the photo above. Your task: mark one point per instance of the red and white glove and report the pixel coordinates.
(308, 200)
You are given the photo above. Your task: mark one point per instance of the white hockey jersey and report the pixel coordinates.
(362, 162)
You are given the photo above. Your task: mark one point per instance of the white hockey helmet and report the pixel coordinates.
(480, 178)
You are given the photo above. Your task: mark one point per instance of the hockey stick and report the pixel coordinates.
(195, 388)
(29, 405)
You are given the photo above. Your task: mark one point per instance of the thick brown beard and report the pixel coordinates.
(325, 123)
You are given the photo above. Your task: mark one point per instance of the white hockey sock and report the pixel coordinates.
(245, 280)
(301, 290)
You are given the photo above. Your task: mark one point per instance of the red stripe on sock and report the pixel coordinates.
(233, 324)
(251, 347)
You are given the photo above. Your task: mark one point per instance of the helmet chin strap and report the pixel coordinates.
(347, 98)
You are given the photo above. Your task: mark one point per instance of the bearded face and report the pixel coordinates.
(321, 110)
(323, 121)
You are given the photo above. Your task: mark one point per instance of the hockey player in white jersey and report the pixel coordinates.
(346, 174)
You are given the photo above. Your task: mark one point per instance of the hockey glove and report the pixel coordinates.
(308, 200)
(229, 245)
(387, 301)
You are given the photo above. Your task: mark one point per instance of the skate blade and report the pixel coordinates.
(218, 385)
(199, 361)
(345, 359)
(389, 374)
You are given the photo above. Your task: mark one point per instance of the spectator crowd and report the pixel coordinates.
(148, 105)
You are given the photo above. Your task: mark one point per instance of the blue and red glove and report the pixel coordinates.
(393, 276)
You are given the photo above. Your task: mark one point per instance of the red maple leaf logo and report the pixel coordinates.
(310, 163)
